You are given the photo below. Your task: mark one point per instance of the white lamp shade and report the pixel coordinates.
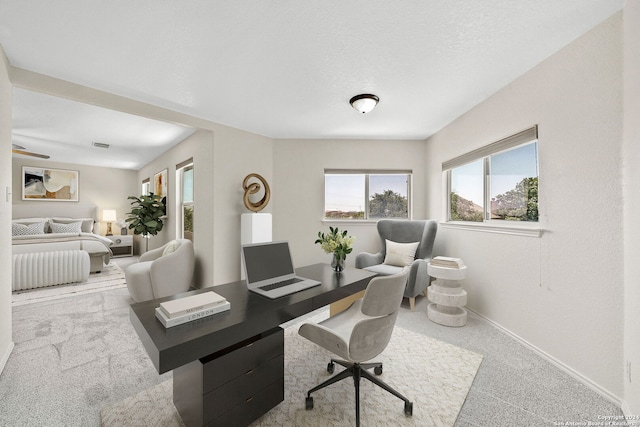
(109, 215)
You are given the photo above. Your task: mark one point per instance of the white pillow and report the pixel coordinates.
(400, 254)
(18, 229)
(171, 247)
(72, 227)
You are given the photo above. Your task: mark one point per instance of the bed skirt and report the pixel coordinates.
(40, 269)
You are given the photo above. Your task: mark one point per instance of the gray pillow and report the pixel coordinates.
(87, 223)
(72, 227)
(18, 229)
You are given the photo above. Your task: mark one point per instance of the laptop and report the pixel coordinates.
(269, 270)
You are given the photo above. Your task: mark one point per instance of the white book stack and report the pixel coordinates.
(447, 262)
(194, 307)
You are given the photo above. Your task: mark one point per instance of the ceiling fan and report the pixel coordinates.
(17, 149)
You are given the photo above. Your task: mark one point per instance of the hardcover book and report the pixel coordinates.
(448, 262)
(191, 304)
(179, 320)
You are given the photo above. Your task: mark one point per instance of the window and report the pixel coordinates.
(184, 179)
(353, 195)
(496, 182)
(146, 186)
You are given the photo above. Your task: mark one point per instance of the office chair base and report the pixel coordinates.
(357, 371)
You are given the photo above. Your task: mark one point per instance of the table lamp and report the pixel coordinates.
(109, 216)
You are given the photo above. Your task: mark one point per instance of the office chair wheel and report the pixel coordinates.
(330, 368)
(408, 408)
(308, 404)
(378, 370)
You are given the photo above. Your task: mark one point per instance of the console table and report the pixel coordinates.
(229, 367)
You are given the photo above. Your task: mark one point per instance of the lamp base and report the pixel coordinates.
(109, 233)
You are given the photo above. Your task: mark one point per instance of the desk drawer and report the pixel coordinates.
(252, 409)
(219, 369)
(242, 389)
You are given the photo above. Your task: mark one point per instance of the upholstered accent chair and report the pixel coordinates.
(403, 243)
(162, 272)
(359, 334)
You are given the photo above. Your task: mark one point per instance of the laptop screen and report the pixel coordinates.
(265, 261)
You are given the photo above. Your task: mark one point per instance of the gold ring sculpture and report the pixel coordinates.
(253, 188)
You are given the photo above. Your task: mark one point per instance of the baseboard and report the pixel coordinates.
(626, 410)
(5, 357)
(565, 368)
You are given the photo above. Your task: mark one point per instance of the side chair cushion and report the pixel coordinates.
(400, 254)
(384, 269)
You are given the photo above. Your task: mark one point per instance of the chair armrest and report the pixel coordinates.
(418, 278)
(151, 255)
(365, 259)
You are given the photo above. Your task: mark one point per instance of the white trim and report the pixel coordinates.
(626, 410)
(5, 358)
(515, 228)
(565, 368)
(333, 222)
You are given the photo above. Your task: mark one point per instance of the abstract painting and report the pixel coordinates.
(160, 183)
(49, 184)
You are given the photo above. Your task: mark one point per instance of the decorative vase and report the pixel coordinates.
(337, 263)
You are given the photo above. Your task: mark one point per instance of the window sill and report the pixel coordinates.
(349, 221)
(527, 230)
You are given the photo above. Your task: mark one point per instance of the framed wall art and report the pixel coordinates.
(49, 184)
(160, 183)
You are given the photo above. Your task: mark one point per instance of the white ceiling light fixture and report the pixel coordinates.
(364, 102)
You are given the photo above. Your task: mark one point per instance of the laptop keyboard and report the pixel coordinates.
(279, 284)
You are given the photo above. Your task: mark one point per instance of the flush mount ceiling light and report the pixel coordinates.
(364, 102)
(100, 144)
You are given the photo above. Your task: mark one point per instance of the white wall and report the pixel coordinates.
(563, 292)
(107, 188)
(198, 146)
(6, 343)
(298, 187)
(631, 156)
(236, 154)
(222, 157)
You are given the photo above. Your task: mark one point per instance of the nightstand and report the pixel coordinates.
(121, 246)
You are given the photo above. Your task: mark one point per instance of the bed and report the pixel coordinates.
(48, 230)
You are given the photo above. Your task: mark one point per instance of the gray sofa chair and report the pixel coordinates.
(403, 231)
(162, 272)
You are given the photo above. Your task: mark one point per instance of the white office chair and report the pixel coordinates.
(359, 334)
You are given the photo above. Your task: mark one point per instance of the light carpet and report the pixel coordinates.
(111, 277)
(435, 375)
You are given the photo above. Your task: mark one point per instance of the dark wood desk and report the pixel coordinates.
(250, 330)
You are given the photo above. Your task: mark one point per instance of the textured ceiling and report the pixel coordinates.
(286, 69)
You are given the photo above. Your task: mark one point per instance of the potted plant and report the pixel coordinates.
(145, 216)
(337, 243)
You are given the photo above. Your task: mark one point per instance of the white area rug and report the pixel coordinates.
(111, 277)
(435, 375)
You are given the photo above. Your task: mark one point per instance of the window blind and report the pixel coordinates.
(527, 135)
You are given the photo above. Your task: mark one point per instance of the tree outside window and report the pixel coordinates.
(353, 196)
(500, 184)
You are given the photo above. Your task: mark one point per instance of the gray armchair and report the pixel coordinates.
(162, 272)
(402, 231)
